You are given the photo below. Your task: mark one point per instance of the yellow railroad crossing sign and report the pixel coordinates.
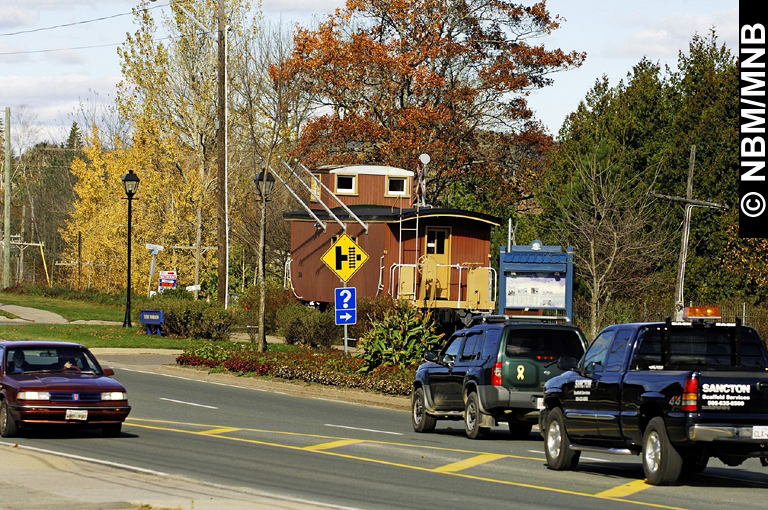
(344, 257)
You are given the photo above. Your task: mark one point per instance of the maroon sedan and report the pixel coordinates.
(55, 383)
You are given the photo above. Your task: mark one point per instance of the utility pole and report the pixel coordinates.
(222, 236)
(7, 211)
(689, 205)
(222, 207)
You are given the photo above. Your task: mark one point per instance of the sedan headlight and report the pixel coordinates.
(33, 395)
(114, 395)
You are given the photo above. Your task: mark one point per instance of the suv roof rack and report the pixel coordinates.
(490, 318)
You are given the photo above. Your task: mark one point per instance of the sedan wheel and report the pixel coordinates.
(8, 426)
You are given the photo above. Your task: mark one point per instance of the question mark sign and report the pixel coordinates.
(346, 295)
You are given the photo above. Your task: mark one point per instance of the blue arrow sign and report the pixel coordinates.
(346, 317)
(346, 305)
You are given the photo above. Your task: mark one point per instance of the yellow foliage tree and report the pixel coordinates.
(164, 210)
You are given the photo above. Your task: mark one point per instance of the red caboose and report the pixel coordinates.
(437, 258)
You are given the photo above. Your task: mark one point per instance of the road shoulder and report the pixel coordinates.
(44, 480)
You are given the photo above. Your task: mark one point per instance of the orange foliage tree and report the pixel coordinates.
(399, 78)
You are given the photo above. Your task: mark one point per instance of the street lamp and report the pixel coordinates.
(265, 183)
(131, 186)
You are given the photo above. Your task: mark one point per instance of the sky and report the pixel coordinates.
(47, 70)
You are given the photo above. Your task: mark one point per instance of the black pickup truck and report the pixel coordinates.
(677, 393)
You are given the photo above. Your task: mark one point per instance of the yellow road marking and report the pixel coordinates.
(393, 464)
(624, 490)
(332, 444)
(468, 463)
(216, 432)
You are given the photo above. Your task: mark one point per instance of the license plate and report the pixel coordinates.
(540, 402)
(76, 414)
(760, 432)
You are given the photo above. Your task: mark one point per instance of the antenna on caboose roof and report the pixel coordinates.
(422, 173)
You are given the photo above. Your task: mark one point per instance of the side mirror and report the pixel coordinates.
(109, 372)
(431, 356)
(566, 363)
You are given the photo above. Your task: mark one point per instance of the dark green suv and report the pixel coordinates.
(493, 371)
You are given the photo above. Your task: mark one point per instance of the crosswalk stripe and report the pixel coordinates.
(626, 489)
(333, 444)
(468, 463)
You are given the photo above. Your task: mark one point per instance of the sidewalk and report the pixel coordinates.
(37, 480)
(25, 315)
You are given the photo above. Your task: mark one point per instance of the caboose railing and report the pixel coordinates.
(469, 286)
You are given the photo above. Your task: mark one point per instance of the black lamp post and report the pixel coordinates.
(265, 182)
(131, 186)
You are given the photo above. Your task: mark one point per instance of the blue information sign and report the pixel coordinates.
(346, 306)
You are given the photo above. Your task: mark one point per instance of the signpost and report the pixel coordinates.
(154, 249)
(346, 309)
(344, 258)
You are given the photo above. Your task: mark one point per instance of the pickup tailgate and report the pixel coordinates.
(731, 393)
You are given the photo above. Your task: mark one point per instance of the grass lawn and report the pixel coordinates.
(94, 336)
(70, 309)
(90, 335)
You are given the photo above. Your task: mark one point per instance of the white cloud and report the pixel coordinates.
(66, 57)
(12, 54)
(664, 36)
(53, 98)
(13, 17)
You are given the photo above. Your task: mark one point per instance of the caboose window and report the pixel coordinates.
(435, 242)
(396, 186)
(345, 184)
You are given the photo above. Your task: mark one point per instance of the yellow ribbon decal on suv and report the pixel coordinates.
(520, 372)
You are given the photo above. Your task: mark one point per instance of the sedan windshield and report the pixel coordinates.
(19, 360)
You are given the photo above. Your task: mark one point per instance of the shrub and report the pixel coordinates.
(400, 339)
(321, 366)
(304, 325)
(177, 293)
(194, 319)
(276, 299)
(370, 310)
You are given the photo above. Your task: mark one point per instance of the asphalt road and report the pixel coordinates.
(318, 448)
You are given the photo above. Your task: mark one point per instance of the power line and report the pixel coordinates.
(28, 52)
(76, 23)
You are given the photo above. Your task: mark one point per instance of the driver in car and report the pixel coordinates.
(19, 362)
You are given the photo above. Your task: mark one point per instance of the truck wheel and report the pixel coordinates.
(422, 422)
(473, 417)
(557, 448)
(662, 463)
(519, 429)
(8, 426)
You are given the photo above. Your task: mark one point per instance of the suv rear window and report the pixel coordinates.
(543, 343)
